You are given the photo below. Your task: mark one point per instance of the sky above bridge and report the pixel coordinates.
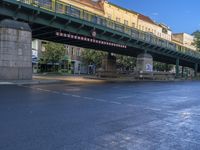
(179, 15)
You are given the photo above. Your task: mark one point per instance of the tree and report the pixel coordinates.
(162, 66)
(126, 62)
(93, 57)
(54, 53)
(196, 34)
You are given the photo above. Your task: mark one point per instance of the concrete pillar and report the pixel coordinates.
(109, 68)
(177, 67)
(109, 63)
(144, 63)
(15, 50)
(195, 69)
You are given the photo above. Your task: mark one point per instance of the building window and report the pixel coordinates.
(109, 16)
(59, 8)
(126, 22)
(73, 11)
(143, 28)
(86, 16)
(164, 31)
(118, 19)
(133, 25)
(44, 3)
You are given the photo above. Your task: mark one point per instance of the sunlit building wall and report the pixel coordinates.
(184, 39)
(92, 6)
(121, 15)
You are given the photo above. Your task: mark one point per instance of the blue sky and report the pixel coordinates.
(179, 15)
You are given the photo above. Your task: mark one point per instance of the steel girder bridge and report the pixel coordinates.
(73, 26)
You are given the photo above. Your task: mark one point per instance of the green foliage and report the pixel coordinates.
(54, 52)
(126, 62)
(197, 39)
(162, 66)
(93, 57)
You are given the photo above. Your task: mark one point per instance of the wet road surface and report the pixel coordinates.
(108, 116)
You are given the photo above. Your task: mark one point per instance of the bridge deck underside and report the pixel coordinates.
(45, 24)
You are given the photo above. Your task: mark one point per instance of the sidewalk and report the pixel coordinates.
(26, 82)
(70, 78)
(90, 79)
(48, 79)
(95, 79)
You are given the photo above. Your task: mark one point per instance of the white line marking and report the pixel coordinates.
(43, 90)
(39, 89)
(113, 102)
(55, 92)
(76, 96)
(88, 98)
(6, 83)
(124, 97)
(100, 100)
(65, 94)
(154, 109)
(131, 105)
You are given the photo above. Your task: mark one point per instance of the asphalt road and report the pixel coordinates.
(107, 116)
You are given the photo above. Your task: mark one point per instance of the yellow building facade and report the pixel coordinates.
(123, 16)
(184, 39)
(146, 24)
(120, 15)
(132, 19)
(88, 5)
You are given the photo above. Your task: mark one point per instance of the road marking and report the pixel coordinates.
(88, 98)
(6, 83)
(39, 89)
(113, 102)
(76, 96)
(101, 100)
(55, 92)
(154, 109)
(65, 94)
(131, 105)
(124, 97)
(43, 90)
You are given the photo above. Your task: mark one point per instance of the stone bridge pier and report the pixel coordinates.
(15, 50)
(109, 66)
(144, 63)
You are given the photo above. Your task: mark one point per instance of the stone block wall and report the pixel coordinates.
(15, 53)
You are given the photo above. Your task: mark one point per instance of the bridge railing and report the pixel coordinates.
(67, 9)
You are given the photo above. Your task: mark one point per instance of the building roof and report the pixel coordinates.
(97, 5)
(140, 16)
(146, 18)
(128, 10)
(183, 34)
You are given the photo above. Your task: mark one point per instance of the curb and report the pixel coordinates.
(29, 82)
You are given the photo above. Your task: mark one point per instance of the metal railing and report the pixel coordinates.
(60, 7)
